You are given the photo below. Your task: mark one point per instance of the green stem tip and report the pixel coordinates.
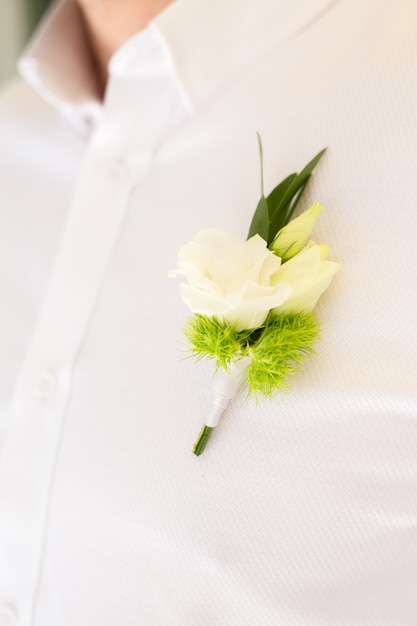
(203, 437)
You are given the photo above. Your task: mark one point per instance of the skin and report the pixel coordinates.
(109, 23)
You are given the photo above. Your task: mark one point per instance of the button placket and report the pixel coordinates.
(45, 384)
(96, 217)
(117, 172)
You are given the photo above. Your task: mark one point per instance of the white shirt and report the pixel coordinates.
(302, 511)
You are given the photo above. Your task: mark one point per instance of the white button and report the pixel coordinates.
(116, 171)
(45, 384)
(8, 616)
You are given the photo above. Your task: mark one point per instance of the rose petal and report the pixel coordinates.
(203, 303)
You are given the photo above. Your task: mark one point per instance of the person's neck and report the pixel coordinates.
(109, 23)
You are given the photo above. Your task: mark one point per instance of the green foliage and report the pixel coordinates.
(277, 349)
(212, 338)
(285, 343)
(260, 220)
(276, 210)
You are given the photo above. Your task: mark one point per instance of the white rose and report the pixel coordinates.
(309, 274)
(230, 279)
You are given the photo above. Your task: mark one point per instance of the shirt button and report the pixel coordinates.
(116, 171)
(45, 384)
(8, 616)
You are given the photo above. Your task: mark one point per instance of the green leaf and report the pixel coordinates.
(260, 220)
(278, 193)
(294, 202)
(274, 200)
(295, 184)
(261, 160)
(302, 178)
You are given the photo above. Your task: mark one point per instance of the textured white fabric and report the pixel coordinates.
(303, 510)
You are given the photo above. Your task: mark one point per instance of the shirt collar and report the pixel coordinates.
(206, 44)
(57, 63)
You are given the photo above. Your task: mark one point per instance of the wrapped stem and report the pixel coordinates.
(225, 386)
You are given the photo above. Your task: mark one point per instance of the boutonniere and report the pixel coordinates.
(253, 301)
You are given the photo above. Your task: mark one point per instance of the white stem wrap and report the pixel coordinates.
(225, 387)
